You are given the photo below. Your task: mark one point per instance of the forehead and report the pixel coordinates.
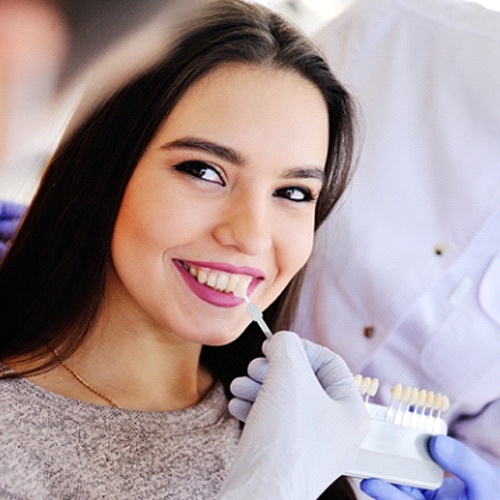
(247, 106)
(255, 89)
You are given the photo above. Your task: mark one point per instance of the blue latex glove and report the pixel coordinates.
(305, 421)
(475, 478)
(10, 215)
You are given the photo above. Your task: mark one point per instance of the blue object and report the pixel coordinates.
(474, 478)
(10, 215)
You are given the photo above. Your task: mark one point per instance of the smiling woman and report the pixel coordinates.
(208, 174)
(239, 179)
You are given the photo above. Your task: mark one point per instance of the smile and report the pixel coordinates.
(220, 280)
(218, 283)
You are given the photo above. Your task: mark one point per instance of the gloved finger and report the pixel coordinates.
(381, 490)
(331, 370)
(239, 408)
(257, 369)
(11, 210)
(452, 488)
(8, 228)
(245, 388)
(287, 353)
(481, 477)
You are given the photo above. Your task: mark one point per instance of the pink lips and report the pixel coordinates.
(212, 296)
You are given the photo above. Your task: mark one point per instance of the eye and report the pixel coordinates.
(201, 170)
(296, 194)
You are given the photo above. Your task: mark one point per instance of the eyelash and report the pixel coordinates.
(307, 195)
(197, 169)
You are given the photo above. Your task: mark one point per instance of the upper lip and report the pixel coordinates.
(228, 268)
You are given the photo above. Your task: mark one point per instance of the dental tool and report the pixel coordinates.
(253, 310)
(395, 448)
(256, 314)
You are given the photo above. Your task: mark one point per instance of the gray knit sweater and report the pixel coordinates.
(58, 448)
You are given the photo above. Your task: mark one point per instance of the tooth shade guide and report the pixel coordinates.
(398, 453)
(445, 404)
(422, 396)
(409, 407)
(425, 413)
(403, 405)
(419, 404)
(413, 396)
(374, 385)
(429, 402)
(396, 392)
(367, 386)
(405, 395)
(436, 404)
(372, 389)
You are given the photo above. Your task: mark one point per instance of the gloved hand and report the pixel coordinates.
(304, 428)
(10, 215)
(476, 479)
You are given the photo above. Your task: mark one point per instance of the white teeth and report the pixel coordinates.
(212, 279)
(202, 276)
(233, 281)
(242, 286)
(224, 282)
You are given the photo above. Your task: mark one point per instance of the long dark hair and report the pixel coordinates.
(52, 280)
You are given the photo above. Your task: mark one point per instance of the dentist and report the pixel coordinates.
(404, 282)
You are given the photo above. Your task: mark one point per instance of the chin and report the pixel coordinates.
(212, 331)
(220, 340)
(224, 336)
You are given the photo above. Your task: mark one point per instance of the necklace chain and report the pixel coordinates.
(83, 382)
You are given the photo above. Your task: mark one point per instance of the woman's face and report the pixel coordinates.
(223, 198)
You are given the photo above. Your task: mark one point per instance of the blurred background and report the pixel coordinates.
(52, 51)
(312, 14)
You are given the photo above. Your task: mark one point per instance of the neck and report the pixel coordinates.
(143, 371)
(139, 371)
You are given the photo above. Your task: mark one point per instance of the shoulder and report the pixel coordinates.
(14, 403)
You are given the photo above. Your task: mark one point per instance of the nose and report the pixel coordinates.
(245, 224)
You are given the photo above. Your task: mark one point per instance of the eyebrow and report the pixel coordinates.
(224, 152)
(306, 173)
(231, 155)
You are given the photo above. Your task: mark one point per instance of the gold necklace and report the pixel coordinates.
(83, 382)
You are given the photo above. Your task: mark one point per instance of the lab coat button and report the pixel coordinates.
(439, 249)
(369, 331)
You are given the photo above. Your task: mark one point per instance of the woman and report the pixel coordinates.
(206, 174)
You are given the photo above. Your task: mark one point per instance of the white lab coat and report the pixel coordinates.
(412, 254)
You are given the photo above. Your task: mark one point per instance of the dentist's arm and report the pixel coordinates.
(304, 420)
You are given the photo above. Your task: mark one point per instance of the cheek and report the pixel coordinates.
(295, 249)
(131, 235)
(140, 237)
(149, 222)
